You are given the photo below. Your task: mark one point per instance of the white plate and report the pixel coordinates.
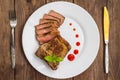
(86, 28)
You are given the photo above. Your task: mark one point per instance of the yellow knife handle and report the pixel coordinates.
(106, 24)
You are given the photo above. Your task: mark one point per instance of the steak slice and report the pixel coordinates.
(42, 26)
(58, 46)
(57, 15)
(46, 32)
(47, 16)
(43, 21)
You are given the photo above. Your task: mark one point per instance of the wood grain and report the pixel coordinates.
(5, 60)
(114, 45)
(24, 71)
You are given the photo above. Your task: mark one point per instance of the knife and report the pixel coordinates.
(106, 38)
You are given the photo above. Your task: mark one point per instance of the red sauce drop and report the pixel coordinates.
(76, 35)
(77, 43)
(71, 57)
(70, 24)
(74, 29)
(76, 51)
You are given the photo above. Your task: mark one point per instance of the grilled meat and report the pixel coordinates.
(49, 37)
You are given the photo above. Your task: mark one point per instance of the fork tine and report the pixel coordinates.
(12, 15)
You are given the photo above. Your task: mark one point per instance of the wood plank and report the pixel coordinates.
(24, 71)
(58, 0)
(114, 45)
(48, 1)
(96, 70)
(6, 71)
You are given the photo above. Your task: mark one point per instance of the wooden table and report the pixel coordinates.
(24, 71)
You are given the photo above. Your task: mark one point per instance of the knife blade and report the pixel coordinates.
(106, 38)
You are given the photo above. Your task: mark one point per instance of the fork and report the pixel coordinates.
(13, 23)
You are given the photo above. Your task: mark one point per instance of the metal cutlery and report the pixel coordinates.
(106, 38)
(13, 23)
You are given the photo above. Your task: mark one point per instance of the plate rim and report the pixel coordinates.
(87, 14)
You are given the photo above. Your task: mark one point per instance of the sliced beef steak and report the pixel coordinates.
(48, 35)
(46, 32)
